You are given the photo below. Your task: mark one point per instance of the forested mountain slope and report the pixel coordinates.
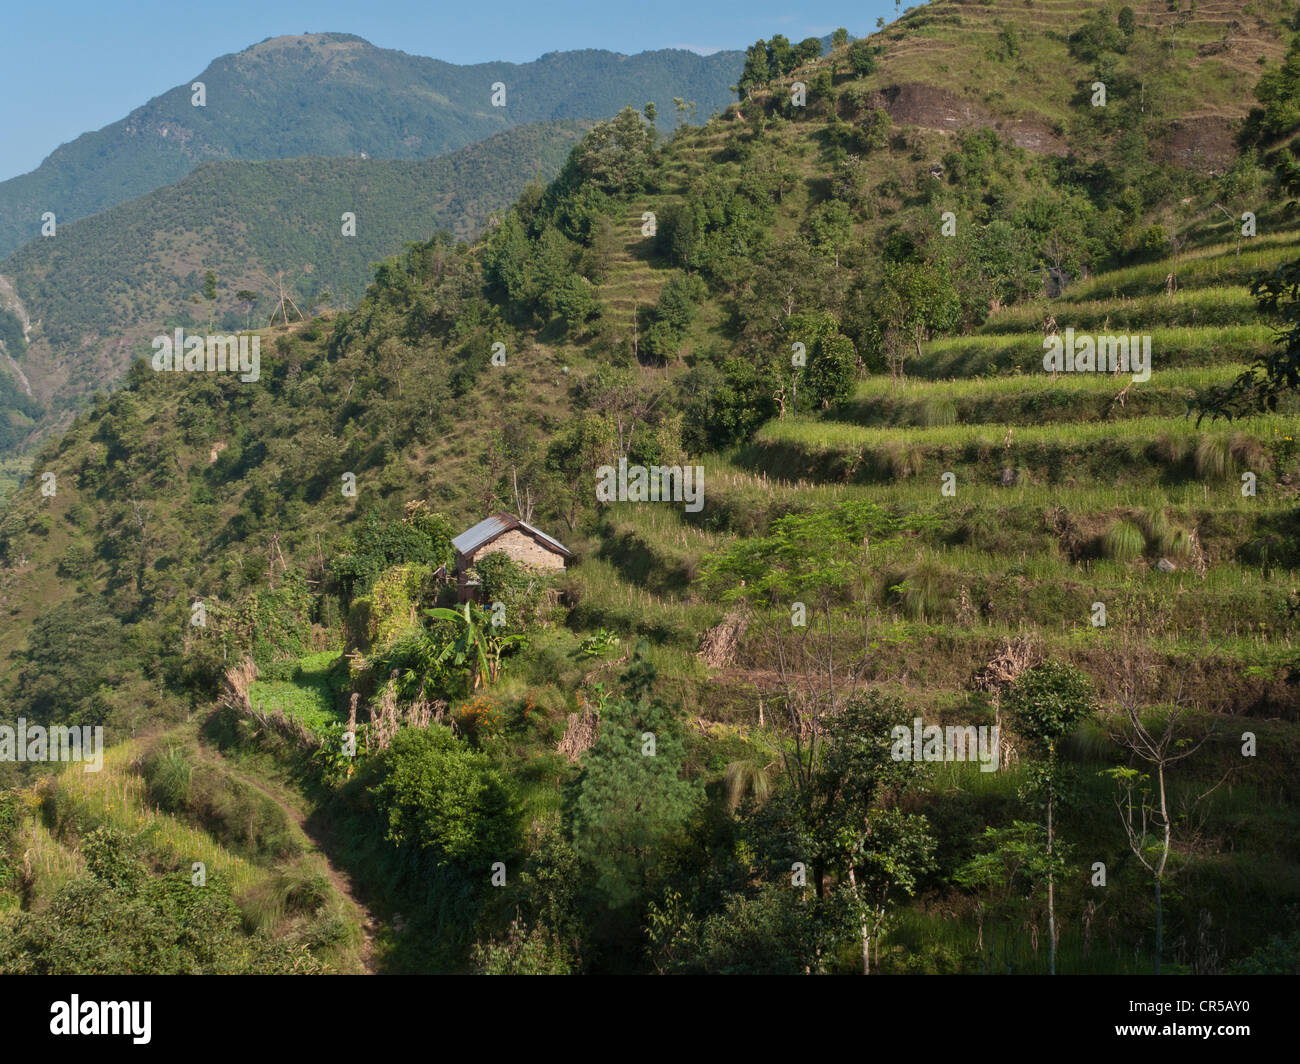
(106, 285)
(838, 315)
(337, 95)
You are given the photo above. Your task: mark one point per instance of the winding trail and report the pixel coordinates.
(317, 841)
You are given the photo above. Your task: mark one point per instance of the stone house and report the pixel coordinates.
(511, 536)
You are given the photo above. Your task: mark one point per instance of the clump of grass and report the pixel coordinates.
(1171, 450)
(1156, 529)
(979, 529)
(1123, 542)
(1246, 451)
(301, 888)
(902, 459)
(937, 412)
(922, 590)
(746, 777)
(1182, 545)
(169, 776)
(1214, 457)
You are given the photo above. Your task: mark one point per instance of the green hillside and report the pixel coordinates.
(107, 284)
(113, 859)
(338, 95)
(679, 755)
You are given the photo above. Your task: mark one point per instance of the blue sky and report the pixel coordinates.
(70, 67)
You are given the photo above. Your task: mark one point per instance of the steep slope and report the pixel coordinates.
(964, 65)
(104, 285)
(424, 407)
(334, 94)
(647, 304)
(271, 902)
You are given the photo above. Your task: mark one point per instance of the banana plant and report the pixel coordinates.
(476, 645)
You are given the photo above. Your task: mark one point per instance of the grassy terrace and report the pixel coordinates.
(996, 565)
(117, 795)
(1214, 266)
(1146, 450)
(744, 502)
(1021, 350)
(1216, 305)
(1027, 399)
(833, 434)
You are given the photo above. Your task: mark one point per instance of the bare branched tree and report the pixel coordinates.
(1159, 738)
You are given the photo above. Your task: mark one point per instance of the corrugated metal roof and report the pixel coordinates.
(479, 534)
(542, 535)
(491, 527)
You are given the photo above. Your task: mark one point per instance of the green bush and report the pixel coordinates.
(437, 795)
(124, 919)
(1279, 956)
(832, 370)
(395, 601)
(862, 57)
(381, 544)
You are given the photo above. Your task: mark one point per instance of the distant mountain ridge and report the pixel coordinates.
(335, 94)
(105, 284)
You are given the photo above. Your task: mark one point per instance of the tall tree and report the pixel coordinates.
(757, 71)
(250, 298)
(916, 300)
(781, 58)
(615, 155)
(807, 50)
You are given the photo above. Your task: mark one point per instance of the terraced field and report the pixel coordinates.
(1021, 500)
(928, 538)
(630, 285)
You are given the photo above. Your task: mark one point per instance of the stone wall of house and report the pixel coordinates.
(522, 548)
